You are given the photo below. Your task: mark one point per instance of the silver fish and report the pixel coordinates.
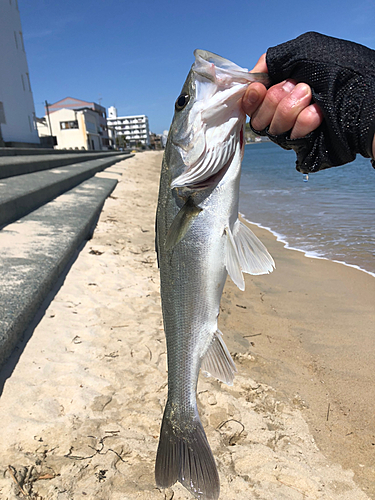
(199, 240)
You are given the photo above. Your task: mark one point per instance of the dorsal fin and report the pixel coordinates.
(253, 255)
(245, 253)
(232, 261)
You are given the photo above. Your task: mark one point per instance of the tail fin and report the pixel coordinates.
(184, 455)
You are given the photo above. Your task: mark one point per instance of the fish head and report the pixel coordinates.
(208, 124)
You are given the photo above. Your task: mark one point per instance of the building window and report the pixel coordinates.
(2, 113)
(67, 125)
(91, 127)
(21, 37)
(23, 82)
(28, 116)
(28, 80)
(15, 39)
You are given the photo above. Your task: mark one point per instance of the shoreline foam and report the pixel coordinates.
(308, 253)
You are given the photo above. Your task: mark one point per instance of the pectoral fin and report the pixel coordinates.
(181, 223)
(218, 362)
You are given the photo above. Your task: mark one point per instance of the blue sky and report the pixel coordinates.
(135, 55)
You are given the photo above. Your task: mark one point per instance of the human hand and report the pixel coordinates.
(283, 107)
(341, 81)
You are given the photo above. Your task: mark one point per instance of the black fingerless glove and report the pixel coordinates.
(341, 75)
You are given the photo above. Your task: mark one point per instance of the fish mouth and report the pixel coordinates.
(225, 70)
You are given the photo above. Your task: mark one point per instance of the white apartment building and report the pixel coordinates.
(17, 112)
(135, 128)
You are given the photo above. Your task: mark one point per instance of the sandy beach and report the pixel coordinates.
(82, 398)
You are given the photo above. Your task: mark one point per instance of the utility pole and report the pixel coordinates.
(2, 145)
(49, 120)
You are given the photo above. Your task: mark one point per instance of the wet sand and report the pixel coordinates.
(310, 325)
(82, 399)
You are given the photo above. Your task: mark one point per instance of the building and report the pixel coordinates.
(135, 128)
(76, 124)
(164, 137)
(17, 112)
(156, 141)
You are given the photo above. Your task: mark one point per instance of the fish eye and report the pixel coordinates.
(181, 102)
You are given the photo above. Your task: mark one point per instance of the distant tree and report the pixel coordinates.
(121, 141)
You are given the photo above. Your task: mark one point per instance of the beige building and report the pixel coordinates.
(76, 124)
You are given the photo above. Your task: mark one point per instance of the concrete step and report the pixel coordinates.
(48, 151)
(36, 249)
(21, 194)
(24, 164)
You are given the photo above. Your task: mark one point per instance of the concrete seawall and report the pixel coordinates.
(45, 216)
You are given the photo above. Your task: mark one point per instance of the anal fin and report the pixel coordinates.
(218, 362)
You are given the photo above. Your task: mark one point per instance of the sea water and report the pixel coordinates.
(330, 215)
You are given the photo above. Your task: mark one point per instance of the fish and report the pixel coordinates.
(199, 241)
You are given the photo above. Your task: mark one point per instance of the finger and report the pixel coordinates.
(255, 92)
(289, 108)
(308, 120)
(253, 97)
(261, 65)
(263, 115)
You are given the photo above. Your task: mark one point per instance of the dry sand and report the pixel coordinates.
(82, 400)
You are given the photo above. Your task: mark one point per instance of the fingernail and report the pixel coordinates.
(288, 86)
(300, 91)
(252, 96)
